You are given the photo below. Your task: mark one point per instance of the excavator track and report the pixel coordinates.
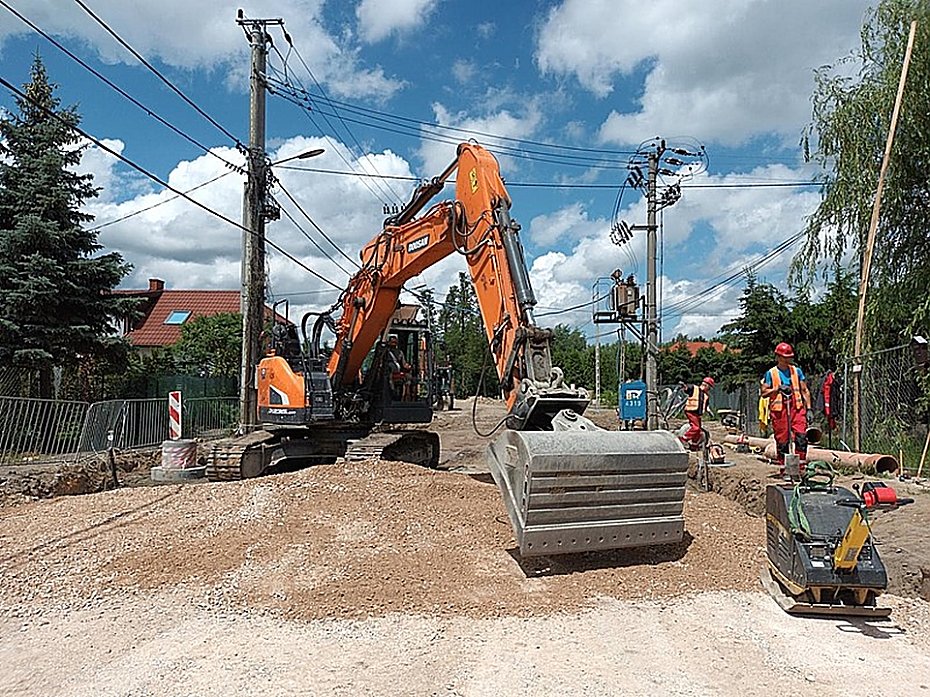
(237, 458)
(418, 447)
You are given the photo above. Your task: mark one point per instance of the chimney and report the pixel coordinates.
(156, 285)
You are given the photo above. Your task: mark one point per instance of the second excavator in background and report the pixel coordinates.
(567, 484)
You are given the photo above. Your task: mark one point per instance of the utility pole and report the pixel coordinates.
(597, 368)
(652, 339)
(254, 214)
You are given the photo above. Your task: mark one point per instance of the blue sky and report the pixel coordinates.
(584, 81)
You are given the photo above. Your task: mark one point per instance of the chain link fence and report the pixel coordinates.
(890, 413)
(46, 430)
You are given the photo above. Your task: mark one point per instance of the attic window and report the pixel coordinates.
(178, 317)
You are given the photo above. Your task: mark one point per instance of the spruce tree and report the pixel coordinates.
(55, 301)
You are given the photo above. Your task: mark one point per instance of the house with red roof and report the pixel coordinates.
(164, 312)
(693, 347)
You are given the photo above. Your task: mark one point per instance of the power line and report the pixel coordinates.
(77, 129)
(574, 307)
(158, 74)
(683, 306)
(383, 194)
(313, 241)
(119, 89)
(290, 43)
(318, 228)
(555, 185)
(564, 160)
(154, 205)
(470, 133)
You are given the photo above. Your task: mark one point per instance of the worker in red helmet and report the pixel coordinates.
(697, 404)
(789, 404)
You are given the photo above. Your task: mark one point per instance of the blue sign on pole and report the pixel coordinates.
(632, 400)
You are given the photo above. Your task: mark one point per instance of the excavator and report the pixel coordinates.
(567, 484)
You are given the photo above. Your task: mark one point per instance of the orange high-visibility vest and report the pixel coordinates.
(776, 401)
(696, 401)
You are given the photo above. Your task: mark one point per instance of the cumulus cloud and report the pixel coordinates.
(203, 35)
(709, 235)
(379, 19)
(187, 247)
(436, 156)
(718, 70)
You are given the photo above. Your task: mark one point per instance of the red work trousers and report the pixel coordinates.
(693, 434)
(784, 432)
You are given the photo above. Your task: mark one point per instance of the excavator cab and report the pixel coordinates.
(399, 369)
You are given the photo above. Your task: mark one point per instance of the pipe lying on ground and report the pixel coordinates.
(838, 458)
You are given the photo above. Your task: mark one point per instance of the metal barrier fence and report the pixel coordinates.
(44, 430)
(34, 430)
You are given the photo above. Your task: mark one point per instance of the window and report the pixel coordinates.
(178, 317)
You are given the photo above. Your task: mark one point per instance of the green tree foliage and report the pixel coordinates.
(819, 330)
(210, 346)
(851, 119)
(461, 329)
(55, 302)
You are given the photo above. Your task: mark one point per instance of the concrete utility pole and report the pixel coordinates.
(652, 338)
(252, 302)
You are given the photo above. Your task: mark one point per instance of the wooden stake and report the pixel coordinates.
(870, 242)
(923, 455)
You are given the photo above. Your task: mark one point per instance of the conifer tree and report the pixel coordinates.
(55, 301)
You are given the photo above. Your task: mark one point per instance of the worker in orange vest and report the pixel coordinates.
(698, 401)
(789, 404)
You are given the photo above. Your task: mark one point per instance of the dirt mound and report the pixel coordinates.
(348, 540)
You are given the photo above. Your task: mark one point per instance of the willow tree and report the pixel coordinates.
(852, 106)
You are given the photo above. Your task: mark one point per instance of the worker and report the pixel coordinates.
(697, 404)
(785, 386)
(398, 366)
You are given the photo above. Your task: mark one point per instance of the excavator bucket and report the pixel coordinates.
(579, 491)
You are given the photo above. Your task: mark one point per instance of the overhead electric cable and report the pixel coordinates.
(154, 205)
(117, 88)
(306, 67)
(384, 193)
(158, 74)
(100, 144)
(318, 228)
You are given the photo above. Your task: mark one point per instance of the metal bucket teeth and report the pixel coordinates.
(578, 491)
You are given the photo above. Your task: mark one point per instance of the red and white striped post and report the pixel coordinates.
(174, 415)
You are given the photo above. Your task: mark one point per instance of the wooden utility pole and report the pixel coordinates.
(870, 244)
(252, 302)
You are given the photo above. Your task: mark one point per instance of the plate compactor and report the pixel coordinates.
(821, 557)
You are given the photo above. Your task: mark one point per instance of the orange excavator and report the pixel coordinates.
(567, 485)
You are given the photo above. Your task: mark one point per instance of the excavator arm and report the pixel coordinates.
(567, 484)
(476, 224)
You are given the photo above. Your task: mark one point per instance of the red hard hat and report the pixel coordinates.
(709, 381)
(784, 349)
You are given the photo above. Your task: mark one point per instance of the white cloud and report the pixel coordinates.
(436, 156)
(189, 248)
(203, 35)
(379, 19)
(711, 234)
(571, 221)
(720, 70)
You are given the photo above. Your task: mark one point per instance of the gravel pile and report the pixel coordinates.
(348, 540)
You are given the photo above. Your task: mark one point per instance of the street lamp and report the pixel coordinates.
(302, 156)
